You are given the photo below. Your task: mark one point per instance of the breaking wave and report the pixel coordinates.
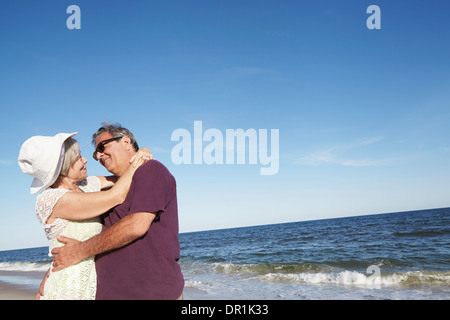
(314, 274)
(24, 266)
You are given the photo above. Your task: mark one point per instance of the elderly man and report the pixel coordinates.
(138, 250)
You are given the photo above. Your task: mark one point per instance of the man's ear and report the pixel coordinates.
(127, 143)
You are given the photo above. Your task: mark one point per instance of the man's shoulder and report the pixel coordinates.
(154, 171)
(152, 167)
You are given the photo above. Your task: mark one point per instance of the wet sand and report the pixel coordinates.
(16, 292)
(19, 285)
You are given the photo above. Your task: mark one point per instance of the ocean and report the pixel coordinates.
(401, 256)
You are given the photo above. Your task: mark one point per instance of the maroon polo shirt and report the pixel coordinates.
(148, 267)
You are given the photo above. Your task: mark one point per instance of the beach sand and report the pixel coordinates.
(23, 285)
(16, 292)
(19, 285)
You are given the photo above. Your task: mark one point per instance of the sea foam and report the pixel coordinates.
(24, 266)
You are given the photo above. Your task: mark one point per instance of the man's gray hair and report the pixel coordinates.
(116, 130)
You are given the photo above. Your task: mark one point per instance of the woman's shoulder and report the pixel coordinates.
(50, 193)
(46, 201)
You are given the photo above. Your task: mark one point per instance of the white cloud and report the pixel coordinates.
(334, 155)
(6, 162)
(368, 141)
(158, 150)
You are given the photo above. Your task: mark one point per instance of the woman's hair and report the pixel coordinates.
(116, 130)
(72, 151)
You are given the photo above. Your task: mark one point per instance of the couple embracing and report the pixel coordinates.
(111, 238)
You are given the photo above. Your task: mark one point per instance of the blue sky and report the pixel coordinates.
(362, 114)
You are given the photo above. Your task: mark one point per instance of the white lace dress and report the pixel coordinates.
(78, 282)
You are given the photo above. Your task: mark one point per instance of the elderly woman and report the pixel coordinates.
(70, 204)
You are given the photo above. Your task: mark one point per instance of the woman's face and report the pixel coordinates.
(78, 171)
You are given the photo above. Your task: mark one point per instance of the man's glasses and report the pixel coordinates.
(101, 146)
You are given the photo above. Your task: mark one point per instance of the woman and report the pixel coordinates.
(70, 204)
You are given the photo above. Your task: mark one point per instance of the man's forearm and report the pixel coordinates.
(118, 235)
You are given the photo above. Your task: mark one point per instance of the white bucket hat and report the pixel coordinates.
(42, 158)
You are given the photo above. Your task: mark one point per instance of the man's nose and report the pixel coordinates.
(98, 155)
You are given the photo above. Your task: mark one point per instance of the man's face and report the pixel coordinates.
(115, 156)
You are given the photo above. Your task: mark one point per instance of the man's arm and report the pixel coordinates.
(118, 235)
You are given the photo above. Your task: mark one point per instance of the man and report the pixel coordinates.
(138, 250)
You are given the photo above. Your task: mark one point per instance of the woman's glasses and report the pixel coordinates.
(101, 146)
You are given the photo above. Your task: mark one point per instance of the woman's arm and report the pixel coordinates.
(41, 287)
(81, 206)
(109, 181)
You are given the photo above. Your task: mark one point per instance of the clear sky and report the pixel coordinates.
(363, 115)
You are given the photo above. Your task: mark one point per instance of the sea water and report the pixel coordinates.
(385, 256)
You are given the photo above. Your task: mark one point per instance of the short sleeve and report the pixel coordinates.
(152, 185)
(46, 201)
